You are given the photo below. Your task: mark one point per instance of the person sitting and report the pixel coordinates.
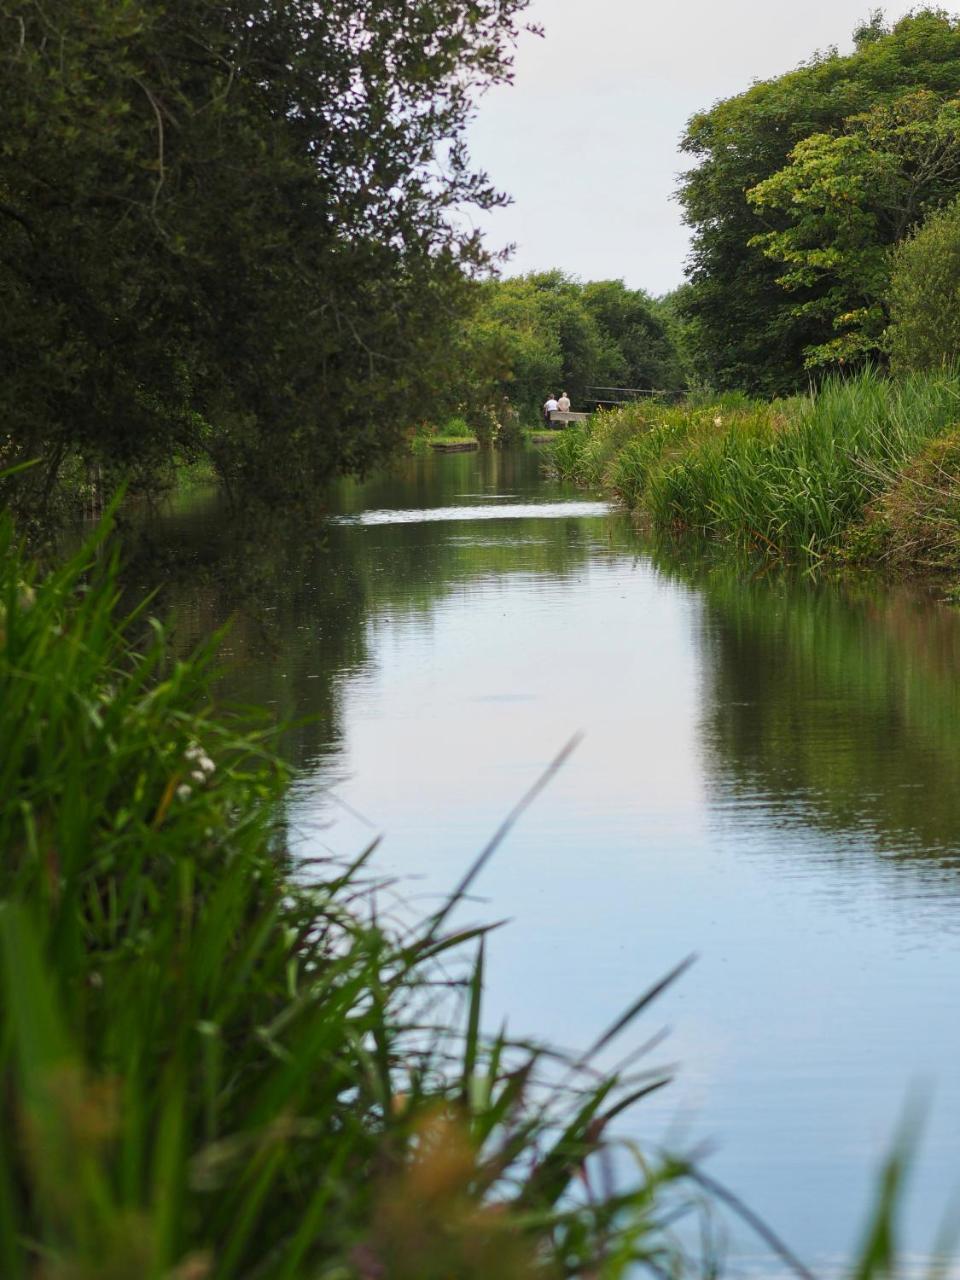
(550, 405)
(563, 404)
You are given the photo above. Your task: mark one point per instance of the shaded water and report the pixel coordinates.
(768, 777)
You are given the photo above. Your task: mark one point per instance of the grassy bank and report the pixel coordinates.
(501, 427)
(213, 1067)
(866, 469)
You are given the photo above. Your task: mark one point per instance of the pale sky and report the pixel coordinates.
(586, 139)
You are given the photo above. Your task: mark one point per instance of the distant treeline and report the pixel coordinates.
(807, 191)
(543, 333)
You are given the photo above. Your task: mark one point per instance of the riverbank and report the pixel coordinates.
(456, 435)
(865, 471)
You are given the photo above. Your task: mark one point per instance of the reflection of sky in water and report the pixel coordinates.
(771, 787)
(828, 979)
(503, 511)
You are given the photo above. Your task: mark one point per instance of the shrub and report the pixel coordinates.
(456, 428)
(924, 332)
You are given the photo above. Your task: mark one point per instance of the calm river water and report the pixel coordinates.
(768, 777)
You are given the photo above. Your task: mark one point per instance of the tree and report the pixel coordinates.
(924, 295)
(230, 227)
(546, 338)
(551, 332)
(753, 333)
(848, 197)
(630, 320)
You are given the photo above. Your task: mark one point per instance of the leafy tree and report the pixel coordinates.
(682, 336)
(551, 332)
(639, 332)
(510, 326)
(849, 197)
(925, 295)
(752, 332)
(228, 227)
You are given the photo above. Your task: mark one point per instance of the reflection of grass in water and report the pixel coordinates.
(845, 694)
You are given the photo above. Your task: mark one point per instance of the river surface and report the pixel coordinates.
(768, 777)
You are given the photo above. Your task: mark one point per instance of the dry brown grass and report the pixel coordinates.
(917, 518)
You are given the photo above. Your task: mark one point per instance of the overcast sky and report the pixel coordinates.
(586, 139)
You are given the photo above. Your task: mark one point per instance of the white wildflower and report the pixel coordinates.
(184, 792)
(201, 764)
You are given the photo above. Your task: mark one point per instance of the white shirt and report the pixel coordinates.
(563, 404)
(550, 406)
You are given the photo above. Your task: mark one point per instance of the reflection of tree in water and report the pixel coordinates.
(301, 592)
(839, 704)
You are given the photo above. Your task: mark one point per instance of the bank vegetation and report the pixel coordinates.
(867, 469)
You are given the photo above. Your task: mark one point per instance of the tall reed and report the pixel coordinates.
(789, 478)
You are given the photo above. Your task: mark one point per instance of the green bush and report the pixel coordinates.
(924, 330)
(456, 428)
(916, 520)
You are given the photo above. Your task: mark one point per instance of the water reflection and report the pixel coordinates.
(305, 592)
(835, 704)
(767, 778)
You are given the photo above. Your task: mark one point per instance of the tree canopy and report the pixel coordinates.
(546, 332)
(849, 197)
(802, 184)
(234, 227)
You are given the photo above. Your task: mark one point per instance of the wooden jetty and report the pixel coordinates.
(562, 418)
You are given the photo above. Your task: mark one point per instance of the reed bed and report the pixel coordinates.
(793, 478)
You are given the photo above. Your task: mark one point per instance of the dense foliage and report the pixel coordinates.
(802, 184)
(849, 196)
(924, 332)
(231, 228)
(545, 332)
